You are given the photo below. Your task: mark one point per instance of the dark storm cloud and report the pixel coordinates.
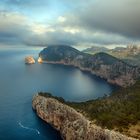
(86, 22)
(119, 17)
(78, 39)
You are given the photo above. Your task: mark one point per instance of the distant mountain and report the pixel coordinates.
(118, 49)
(120, 111)
(95, 49)
(101, 64)
(130, 54)
(130, 50)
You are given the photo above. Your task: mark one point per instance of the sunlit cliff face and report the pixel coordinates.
(40, 60)
(29, 60)
(79, 23)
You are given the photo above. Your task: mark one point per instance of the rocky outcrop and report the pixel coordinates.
(71, 124)
(29, 60)
(40, 60)
(103, 65)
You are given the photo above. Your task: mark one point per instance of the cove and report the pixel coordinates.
(19, 82)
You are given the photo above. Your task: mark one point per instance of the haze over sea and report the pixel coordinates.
(19, 82)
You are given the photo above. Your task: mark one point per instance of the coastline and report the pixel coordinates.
(70, 123)
(118, 83)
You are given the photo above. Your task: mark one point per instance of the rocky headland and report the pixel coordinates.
(29, 60)
(114, 70)
(71, 124)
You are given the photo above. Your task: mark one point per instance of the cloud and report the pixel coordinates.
(17, 28)
(61, 19)
(110, 16)
(12, 27)
(87, 23)
(26, 3)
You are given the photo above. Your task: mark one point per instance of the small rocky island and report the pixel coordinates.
(29, 60)
(71, 124)
(80, 121)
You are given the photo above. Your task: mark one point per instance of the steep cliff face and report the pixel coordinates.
(71, 124)
(112, 69)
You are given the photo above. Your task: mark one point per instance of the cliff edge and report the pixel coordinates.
(71, 124)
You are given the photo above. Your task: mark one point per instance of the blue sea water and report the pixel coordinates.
(19, 82)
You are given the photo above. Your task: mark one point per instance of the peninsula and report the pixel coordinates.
(71, 124)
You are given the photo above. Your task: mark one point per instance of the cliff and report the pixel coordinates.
(120, 111)
(101, 64)
(129, 54)
(71, 124)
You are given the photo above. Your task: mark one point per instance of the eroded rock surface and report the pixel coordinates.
(71, 124)
(29, 60)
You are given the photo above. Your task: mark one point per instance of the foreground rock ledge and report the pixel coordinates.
(71, 124)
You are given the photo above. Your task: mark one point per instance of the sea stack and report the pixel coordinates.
(29, 60)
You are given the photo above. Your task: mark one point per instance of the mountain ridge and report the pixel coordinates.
(129, 54)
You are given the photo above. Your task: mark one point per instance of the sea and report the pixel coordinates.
(20, 82)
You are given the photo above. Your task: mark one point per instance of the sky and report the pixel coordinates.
(78, 23)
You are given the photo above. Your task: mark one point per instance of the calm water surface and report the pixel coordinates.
(19, 82)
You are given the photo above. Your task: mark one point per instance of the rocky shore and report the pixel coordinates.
(71, 124)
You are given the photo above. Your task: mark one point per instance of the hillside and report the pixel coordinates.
(101, 64)
(95, 49)
(71, 124)
(130, 54)
(120, 111)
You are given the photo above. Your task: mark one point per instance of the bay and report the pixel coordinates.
(19, 82)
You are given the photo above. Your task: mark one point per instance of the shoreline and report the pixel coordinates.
(112, 82)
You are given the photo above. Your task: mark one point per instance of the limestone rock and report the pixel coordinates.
(71, 124)
(29, 60)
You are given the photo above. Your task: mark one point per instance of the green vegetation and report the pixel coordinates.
(118, 111)
(49, 95)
